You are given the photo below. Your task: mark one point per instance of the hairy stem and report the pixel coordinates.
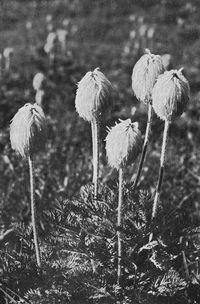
(33, 210)
(95, 148)
(161, 170)
(145, 144)
(119, 224)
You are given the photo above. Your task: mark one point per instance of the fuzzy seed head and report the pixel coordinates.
(38, 81)
(28, 130)
(61, 34)
(145, 73)
(171, 94)
(8, 52)
(123, 144)
(51, 38)
(93, 94)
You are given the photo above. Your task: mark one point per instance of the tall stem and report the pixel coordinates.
(119, 224)
(33, 210)
(95, 147)
(161, 170)
(145, 144)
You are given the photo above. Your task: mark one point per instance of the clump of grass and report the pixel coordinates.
(145, 73)
(27, 136)
(123, 144)
(92, 96)
(170, 96)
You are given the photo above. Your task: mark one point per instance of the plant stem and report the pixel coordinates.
(161, 170)
(33, 210)
(145, 144)
(119, 224)
(95, 148)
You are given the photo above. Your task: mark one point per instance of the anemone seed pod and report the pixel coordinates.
(8, 53)
(92, 96)
(38, 85)
(123, 145)
(27, 136)
(38, 81)
(145, 73)
(170, 96)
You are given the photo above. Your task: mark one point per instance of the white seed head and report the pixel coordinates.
(39, 96)
(49, 18)
(145, 73)
(29, 25)
(93, 94)
(142, 30)
(28, 130)
(66, 22)
(51, 38)
(38, 81)
(132, 34)
(166, 60)
(8, 52)
(61, 34)
(150, 32)
(48, 48)
(123, 144)
(171, 94)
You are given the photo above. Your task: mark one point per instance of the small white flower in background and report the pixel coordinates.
(150, 32)
(49, 18)
(62, 35)
(29, 25)
(141, 20)
(171, 94)
(39, 96)
(38, 81)
(132, 34)
(145, 73)
(66, 22)
(142, 30)
(8, 53)
(167, 60)
(132, 18)
(123, 143)
(48, 48)
(51, 38)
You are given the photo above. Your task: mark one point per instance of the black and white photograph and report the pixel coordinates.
(100, 151)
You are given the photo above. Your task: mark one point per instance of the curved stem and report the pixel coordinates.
(145, 144)
(95, 147)
(33, 210)
(119, 224)
(161, 170)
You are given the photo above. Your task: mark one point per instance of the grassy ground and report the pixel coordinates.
(98, 33)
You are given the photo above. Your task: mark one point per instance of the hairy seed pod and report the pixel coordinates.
(8, 52)
(145, 73)
(28, 130)
(123, 143)
(51, 38)
(93, 93)
(171, 94)
(38, 81)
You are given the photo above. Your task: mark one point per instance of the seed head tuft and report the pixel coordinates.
(123, 143)
(145, 73)
(38, 81)
(93, 94)
(28, 130)
(171, 94)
